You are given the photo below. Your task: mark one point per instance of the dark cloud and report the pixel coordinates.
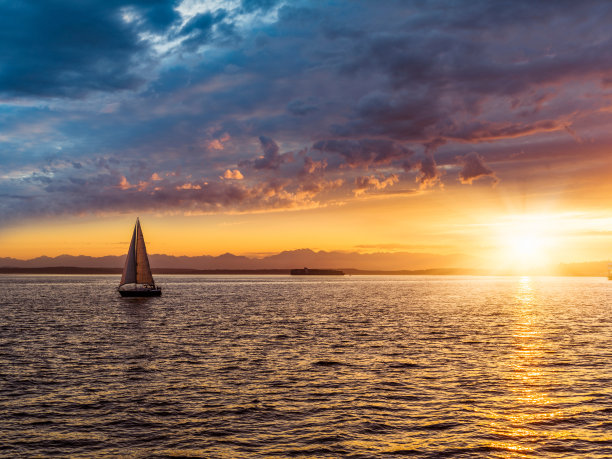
(68, 48)
(398, 115)
(199, 29)
(126, 89)
(158, 14)
(429, 174)
(482, 131)
(474, 168)
(300, 108)
(366, 183)
(272, 158)
(435, 81)
(313, 167)
(262, 5)
(365, 152)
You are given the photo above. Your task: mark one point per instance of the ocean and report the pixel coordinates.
(326, 367)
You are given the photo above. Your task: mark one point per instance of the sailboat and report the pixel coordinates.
(137, 279)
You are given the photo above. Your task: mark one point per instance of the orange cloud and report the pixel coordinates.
(365, 183)
(124, 184)
(217, 144)
(232, 175)
(189, 186)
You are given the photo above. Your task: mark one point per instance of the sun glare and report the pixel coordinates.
(526, 242)
(526, 246)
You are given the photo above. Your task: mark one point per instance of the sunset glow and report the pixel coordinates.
(254, 142)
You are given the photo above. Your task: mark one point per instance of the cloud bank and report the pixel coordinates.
(170, 106)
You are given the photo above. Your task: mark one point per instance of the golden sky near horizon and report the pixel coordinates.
(500, 228)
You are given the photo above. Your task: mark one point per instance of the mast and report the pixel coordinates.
(138, 231)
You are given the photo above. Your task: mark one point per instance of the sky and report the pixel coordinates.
(258, 126)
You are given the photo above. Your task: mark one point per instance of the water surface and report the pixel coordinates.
(275, 366)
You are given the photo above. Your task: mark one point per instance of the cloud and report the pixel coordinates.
(189, 186)
(199, 29)
(153, 91)
(232, 175)
(124, 184)
(254, 5)
(218, 144)
(109, 192)
(271, 158)
(366, 183)
(69, 49)
(474, 168)
(486, 131)
(429, 174)
(364, 152)
(312, 167)
(158, 15)
(301, 108)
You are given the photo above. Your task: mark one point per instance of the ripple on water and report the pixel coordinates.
(230, 366)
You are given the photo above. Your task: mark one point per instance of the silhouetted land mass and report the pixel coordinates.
(381, 261)
(60, 270)
(351, 263)
(579, 269)
(316, 272)
(419, 272)
(112, 265)
(78, 270)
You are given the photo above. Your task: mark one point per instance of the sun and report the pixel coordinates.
(527, 247)
(526, 243)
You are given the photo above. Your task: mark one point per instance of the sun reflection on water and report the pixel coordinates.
(526, 378)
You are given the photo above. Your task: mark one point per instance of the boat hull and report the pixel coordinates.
(139, 293)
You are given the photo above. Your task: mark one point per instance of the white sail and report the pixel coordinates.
(136, 269)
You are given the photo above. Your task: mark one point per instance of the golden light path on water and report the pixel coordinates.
(530, 383)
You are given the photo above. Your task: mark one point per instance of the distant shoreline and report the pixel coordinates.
(161, 271)
(80, 270)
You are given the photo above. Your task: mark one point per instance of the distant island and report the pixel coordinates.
(287, 260)
(74, 270)
(562, 270)
(316, 272)
(351, 263)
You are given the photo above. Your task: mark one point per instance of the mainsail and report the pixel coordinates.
(136, 269)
